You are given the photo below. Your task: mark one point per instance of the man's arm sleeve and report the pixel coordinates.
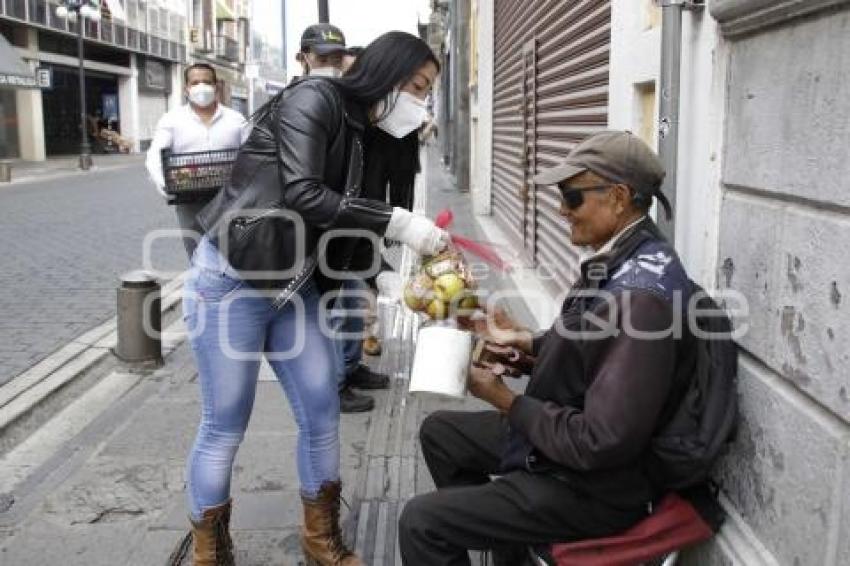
(537, 339)
(153, 162)
(631, 379)
(245, 128)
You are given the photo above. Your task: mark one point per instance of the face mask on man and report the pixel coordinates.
(406, 116)
(329, 72)
(202, 94)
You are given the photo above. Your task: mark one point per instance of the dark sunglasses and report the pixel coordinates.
(574, 198)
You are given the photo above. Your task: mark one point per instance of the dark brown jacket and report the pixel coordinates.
(599, 390)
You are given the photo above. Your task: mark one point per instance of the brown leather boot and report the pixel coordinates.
(321, 537)
(211, 542)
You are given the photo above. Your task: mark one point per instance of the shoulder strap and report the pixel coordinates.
(355, 154)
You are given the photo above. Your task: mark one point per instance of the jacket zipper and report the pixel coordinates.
(295, 285)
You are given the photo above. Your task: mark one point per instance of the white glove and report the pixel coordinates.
(416, 231)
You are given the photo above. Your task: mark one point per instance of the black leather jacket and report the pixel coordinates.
(297, 176)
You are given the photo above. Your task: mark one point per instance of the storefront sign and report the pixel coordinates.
(155, 76)
(17, 81)
(44, 77)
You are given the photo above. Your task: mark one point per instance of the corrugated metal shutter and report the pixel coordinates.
(513, 27)
(566, 94)
(151, 108)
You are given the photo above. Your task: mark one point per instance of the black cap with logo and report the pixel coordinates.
(322, 39)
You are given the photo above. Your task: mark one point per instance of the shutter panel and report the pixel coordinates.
(571, 44)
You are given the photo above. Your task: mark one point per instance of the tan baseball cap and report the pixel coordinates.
(617, 156)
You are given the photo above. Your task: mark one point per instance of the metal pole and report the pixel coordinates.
(324, 15)
(668, 106)
(85, 148)
(460, 44)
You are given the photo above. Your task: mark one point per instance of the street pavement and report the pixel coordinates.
(65, 239)
(112, 491)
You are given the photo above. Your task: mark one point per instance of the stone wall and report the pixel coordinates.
(784, 233)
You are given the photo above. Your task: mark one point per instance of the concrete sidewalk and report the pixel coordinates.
(102, 482)
(56, 167)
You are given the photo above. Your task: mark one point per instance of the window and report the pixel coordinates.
(38, 11)
(53, 20)
(131, 8)
(17, 8)
(120, 37)
(177, 32)
(153, 22)
(164, 30)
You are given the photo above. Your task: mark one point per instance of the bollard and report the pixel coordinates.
(5, 172)
(139, 319)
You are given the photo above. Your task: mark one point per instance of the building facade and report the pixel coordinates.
(134, 58)
(220, 35)
(762, 208)
(131, 68)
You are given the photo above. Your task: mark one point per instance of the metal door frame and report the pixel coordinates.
(528, 191)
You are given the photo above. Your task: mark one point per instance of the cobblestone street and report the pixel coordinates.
(65, 242)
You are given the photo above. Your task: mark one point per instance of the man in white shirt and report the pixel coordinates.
(203, 124)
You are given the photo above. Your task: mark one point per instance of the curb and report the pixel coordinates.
(67, 173)
(46, 380)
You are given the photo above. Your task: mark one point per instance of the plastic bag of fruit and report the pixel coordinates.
(443, 287)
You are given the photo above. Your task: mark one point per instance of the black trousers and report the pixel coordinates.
(470, 512)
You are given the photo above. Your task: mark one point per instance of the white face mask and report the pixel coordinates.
(407, 115)
(330, 72)
(202, 94)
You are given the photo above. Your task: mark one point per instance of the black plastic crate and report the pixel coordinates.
(190, 177)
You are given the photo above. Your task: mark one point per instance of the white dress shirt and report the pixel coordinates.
(182, 130)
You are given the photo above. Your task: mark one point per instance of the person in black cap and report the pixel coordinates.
(322, 51)
(569, 452)
(351, 55)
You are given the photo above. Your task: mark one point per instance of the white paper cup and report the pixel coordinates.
(441, 362)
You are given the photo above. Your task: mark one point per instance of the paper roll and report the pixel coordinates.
(441, 362)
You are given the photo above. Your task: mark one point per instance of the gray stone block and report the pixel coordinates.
(788, 111)
(841, 532)
(785, 468)
(790, 264)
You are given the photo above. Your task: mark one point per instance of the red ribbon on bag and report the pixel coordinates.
(480, 249)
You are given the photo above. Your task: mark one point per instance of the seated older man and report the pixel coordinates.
(569, 454)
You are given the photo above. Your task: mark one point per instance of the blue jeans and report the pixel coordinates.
(230, 327)
(349, 321)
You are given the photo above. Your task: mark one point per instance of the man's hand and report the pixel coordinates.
(498, 327)
(489, 387)
(515, 362)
